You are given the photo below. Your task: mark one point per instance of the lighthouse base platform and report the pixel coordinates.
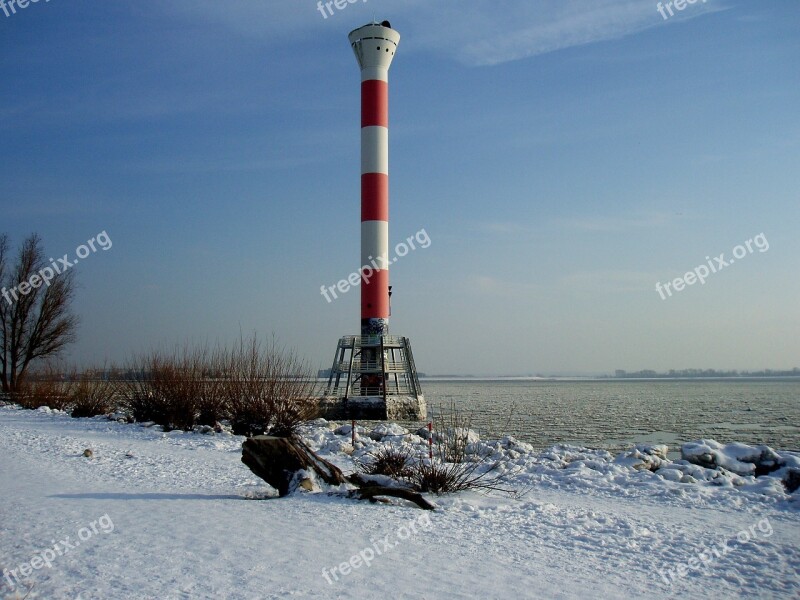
(373, 377)
(374, 408)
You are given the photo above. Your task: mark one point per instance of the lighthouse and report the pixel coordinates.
(374, 47)
(373, 374)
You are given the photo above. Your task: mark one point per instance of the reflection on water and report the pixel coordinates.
(617, 414)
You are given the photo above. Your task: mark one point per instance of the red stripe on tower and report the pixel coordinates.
(374, 46)
(374, 197)
(374, 103)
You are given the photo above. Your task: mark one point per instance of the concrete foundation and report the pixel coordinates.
(374, 408)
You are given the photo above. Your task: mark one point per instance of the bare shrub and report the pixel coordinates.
(141, 400)
(452, 434)
(180, 389)
(212, 407)
(167, 388)
(396, 463)
(179, 382)
(47, 387)
(90, 397)
(457, 465)
(293, 399)
(260, 389)
(268, 389)
(440, 477)
(244, 390)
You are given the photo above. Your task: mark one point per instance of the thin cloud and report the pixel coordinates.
(480, 32)
(502, 228)
(489, 285)
(622, 223)
(608, 281)
(530, 29)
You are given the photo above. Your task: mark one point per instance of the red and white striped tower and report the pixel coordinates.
(373, 375)
(374, 46)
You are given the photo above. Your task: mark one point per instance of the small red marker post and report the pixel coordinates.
(430, 440)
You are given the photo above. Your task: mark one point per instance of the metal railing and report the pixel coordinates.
(373, 365)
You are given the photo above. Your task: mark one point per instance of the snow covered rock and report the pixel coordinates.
(737, 458)
(119, 417)
(387, 430)
(644, 457)
(470, 436)
(791, 480)
(348, 430)
(514, 444)
(423, 433)
(671, 474)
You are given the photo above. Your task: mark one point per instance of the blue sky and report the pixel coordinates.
(562, 156)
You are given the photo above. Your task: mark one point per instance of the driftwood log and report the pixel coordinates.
(280, 460)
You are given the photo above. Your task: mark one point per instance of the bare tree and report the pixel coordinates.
(37, 324)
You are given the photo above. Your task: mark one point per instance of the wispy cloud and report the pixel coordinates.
(268, 20)
(502, 228)
(491, 285)
(601, 281)
(613, 223)
(619, 223)
(479, 32)
(608, 281)
(524, 29)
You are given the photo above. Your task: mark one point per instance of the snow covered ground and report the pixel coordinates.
(169, 515)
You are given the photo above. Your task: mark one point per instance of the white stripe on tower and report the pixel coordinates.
(374, 46)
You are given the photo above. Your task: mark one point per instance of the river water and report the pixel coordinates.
(614, 414)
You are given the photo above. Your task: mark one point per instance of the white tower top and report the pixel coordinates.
(374, 46)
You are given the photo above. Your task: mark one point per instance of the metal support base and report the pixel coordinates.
(375, 374)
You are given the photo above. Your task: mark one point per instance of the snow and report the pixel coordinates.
(387, 430)
(737, 458)
(172, 515)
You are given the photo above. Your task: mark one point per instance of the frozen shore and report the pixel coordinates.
(166, 515)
